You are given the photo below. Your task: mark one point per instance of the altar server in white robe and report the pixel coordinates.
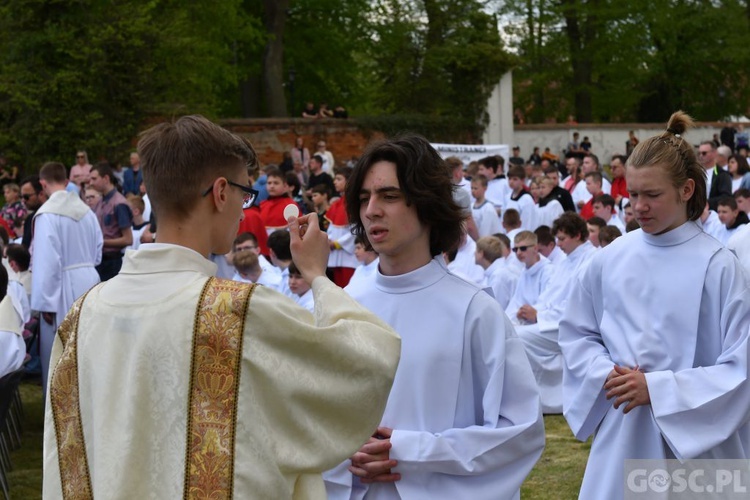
(248, 270)
(500, 275)
(368, 261)
(12, 345)
(552, 209)
(67, 246)
(604, 207)
(280, 394)
(534, 278)
(542, 319)
(654, 378)
(710, 223)
(547, 245)
(493, 168)
(472, 428)
(465, 263)
(520, 200)
(483, 211)
(581, 195)
(739, 243)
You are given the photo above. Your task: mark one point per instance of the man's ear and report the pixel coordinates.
(220, 194)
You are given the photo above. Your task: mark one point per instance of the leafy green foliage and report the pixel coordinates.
(602, 60)
(87, 74)
(437, 57)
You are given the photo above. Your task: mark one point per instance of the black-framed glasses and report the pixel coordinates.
(521, 249)
(27, 197)
(249, 197)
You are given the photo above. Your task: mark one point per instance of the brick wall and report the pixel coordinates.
(271, 137)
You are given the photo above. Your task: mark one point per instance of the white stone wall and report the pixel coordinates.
(606, 140)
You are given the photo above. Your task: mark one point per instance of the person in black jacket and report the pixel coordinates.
(557, 193)
(718, 182)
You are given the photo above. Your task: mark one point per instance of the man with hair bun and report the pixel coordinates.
(655, 335)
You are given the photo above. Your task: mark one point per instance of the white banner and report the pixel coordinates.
(468, 153)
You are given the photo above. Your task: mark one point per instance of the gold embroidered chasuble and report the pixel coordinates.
(214, 383)
(310, 389)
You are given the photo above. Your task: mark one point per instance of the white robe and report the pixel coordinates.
(20, 300)
(311, 387)
(739, 243)
(556, 255)
(364, 274)
(471, 429)
(146, 207)
(526, 209)
(486, 219)
(223, 268)
(285, 283)
(530, 285)
(497, 192)
(615, 221)
(343, 257)
(724, 234)
(66, 248)
(465, 263)
(676, 305)
(270, 280)
(306, 300)
(266, 265)
(502, 279)
(548, 214)
(541, 338)
(713, 225)
(12, 346)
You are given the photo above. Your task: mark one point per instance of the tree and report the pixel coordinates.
(602, 60)
(440, 58)
(89, 74)
(273, 56)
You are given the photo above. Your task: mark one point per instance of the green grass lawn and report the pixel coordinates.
(25, 479)
(556, 476)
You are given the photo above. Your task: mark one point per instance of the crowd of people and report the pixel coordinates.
(517, 289)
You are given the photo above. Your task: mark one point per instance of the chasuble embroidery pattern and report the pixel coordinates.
(66, 410)
(214, 385)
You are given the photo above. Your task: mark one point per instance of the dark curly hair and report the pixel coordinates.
(425, 180)
(571, 224)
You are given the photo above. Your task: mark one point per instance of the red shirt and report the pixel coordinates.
(337, 213)
(252, 223)
(272, 211)
(587, 211)
(619, 188)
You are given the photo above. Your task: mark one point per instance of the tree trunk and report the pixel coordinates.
(579, 34)
(273, 57)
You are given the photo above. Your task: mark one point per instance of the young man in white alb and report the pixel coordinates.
(472, 428)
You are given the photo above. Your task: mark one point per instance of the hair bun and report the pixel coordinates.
(679, 122)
